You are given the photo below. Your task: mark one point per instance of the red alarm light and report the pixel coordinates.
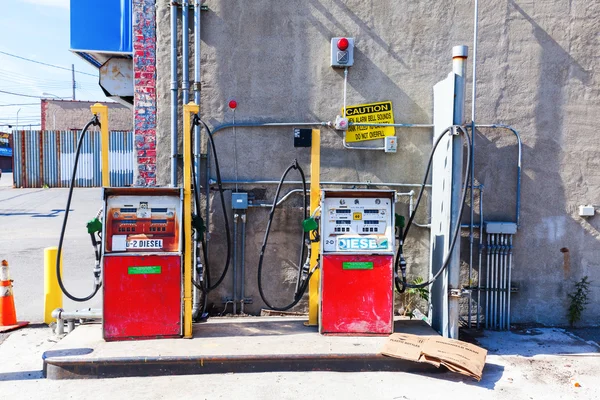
(232, 104)
(343, 44)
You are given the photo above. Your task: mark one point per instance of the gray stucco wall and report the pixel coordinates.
(68, 115)
(537, 71)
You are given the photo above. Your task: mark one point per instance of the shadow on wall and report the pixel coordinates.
(546, 226)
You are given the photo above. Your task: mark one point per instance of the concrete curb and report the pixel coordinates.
(62, 368)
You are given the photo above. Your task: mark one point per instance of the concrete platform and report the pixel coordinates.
(252, 344)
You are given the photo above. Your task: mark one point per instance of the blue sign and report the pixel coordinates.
(6, 152)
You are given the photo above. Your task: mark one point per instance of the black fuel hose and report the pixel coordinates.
(403, 284)
(196, 121)
(301, 286)
(94, 121)
(203, 285)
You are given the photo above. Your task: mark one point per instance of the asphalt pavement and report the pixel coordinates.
(30, 220)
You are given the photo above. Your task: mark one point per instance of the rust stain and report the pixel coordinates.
(566, 261)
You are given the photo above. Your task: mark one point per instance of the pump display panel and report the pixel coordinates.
(147, 224)
(358, 224)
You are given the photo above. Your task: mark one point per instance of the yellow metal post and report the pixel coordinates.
(188, 111)
(101, 111)
(52, 294)
(315, 199)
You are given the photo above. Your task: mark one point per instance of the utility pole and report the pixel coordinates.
(73, 76)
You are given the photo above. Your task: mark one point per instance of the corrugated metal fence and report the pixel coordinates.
(47, 157)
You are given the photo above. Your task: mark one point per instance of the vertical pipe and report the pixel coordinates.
(493, 284)
(174, 94)
(510, 254)
(197, 295)
(243, 264)
(487, 285)
(479, 271)
(502, 277)
(197, 86)
(234, 298)
(73, 78)
(472, 161)
(459, 67)
(185, 53)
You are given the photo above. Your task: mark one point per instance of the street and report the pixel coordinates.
(30, 220)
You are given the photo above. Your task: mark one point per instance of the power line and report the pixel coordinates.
(42, 63)
(23, 95)
(19, 104)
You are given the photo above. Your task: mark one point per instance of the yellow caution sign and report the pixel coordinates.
(374, 113)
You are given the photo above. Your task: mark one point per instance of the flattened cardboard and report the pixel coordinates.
(461, 357)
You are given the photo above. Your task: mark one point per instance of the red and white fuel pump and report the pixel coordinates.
(142, 268)
(357, 262)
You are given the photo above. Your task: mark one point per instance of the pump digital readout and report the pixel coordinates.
(359, 225)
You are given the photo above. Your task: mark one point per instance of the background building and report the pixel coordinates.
(64, 115)
(6, 152)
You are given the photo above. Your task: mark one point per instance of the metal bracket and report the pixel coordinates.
(454, 293)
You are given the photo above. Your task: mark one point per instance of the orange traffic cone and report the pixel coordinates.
(8, 314)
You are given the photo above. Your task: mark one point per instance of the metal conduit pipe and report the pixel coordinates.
(70, 316)
(196, 295)
(510, 255)
(243, 264)
(185, 52)
(401, 125)
(479, 270)
(236, 216)
(493, 287)
(472, 194)
(212, 181)
(502, 277)
(487, 284)
(174, 94)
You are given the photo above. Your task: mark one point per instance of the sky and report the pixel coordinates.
(38, 30)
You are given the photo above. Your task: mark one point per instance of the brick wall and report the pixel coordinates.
(144, 66)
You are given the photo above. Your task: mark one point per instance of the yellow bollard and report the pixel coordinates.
(52, 294)
(315, 200)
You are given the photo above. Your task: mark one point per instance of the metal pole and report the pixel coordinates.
(236, 216)
(479, 271)
(73, 77)
(243, 264)
(197, 86)
(174, 94)
(197, 295)
(487, 285)
(185, 53)
(493, 285)
(510, 254)
(459, 67)
(502, 277)
(473, 101)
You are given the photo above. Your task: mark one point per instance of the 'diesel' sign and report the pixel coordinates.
(374, 113)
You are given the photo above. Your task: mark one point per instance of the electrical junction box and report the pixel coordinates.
(239, 201)
(390, 144)
(501, 228)
(357, 269)
(142, 285)
(587, 211)
(342, 52)
(302, 137)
